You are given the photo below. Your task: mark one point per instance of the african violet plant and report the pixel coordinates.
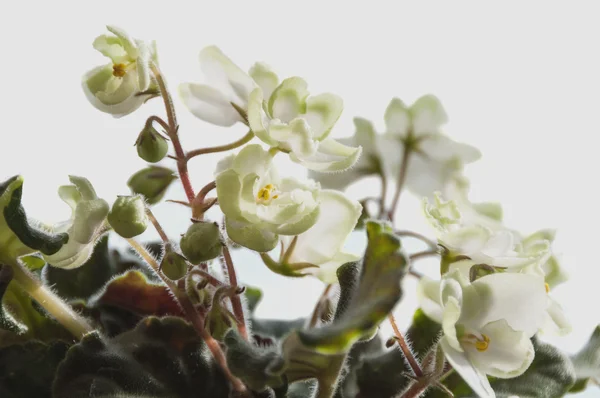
(81, 320)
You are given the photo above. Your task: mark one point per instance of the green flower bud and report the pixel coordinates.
(173, 265)
(201, 242)
(152, 182)
(128, 216)
(151, 145)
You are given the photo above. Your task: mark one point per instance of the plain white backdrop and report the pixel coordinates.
(519, 80)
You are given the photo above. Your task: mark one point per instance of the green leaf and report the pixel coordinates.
(587, 362)
(132, 291)
(368, 301)
(17, 236)
(253, 364)
(27, 370)
(22, 317)
(84, 281)
(550, 375)
(159, 358)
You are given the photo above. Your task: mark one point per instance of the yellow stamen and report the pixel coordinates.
(482, 345)
(264, 193)
(547, 287)
(119, 70)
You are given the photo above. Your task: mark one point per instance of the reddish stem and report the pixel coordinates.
(236, 302)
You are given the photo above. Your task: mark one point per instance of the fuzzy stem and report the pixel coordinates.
(221, 148)
(173, 134)
(405, 349)
(198, 207)
(236, 302)
(157, 226)
(317, 311)
(55, 306)
(192, 316)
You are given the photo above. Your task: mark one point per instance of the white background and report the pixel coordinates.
(519, 80)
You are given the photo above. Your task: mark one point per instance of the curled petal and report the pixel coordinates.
(257, 118)
(111, 47)
(126, 41)
(331, 156)
(288, 100)
(266, 79)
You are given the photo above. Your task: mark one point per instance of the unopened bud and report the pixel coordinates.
(173, 265)
(152, 182)
(151, 146)
(128, 216)
(201, 242)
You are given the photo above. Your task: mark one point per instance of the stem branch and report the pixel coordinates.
(221, 148)
(317, 311)
(157, 226)
(405, 349)
(236, 302)
(401, 179)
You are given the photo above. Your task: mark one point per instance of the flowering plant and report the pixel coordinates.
(79, 319)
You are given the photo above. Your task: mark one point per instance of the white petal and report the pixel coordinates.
(397, 119)
(209, 104)
(327, 272)
(509, 353)
(451, 315)
(266, 79)
(288, 100)
(259, 122)
(466, 240)
(126, 40)
(227, 77)
(441, 148)
(428, 115)
(330, 156)
(556, 322)
(324, 240)
(300, 140)
(501, 293)
(252, 159)
(428, 296)
(474, 377)
(499, 244)
(322, 111)
(111, 47)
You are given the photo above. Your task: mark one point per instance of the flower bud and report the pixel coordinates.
(173, 265)
(151, 145)
(201, 242)
(152, 182)
(128, 216)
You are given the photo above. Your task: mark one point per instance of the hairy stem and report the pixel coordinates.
(236, 302)
(157, 226)
(401, 179)
(192, 315)
(55, 306)
(173, 134)
(316, 315)
(198, 207)
(221, 148)
(405, 349)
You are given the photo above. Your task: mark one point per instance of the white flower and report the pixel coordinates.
(321, 246)
(434, 158)
(487, 324)
(300, 124)
(115, 87)
(495, 247)
(258, 204)
(225, 101)
(87, 222)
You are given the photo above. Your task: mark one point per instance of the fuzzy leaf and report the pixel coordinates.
(84, 281)
(17, 236)
(27, 370)
(134, 292)
(369, 300)
(252, 364)
(159, 358)
(587, 362)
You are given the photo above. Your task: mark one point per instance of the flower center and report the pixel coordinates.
(481, 343)
(267, 193)
(119, 70)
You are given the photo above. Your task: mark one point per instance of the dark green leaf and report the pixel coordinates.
(159, 358)
(368, 302)
(82, 282)
(587, 362)
(18, 236)
(27, 370)
(253, 364)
